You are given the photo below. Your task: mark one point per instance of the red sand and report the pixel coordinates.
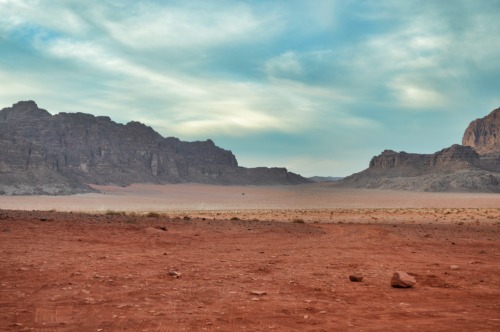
(110, 271)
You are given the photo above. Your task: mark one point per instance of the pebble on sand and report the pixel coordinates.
(402, 280)
(258, 293)
(356, 277)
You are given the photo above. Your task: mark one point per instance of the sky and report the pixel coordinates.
(316, 86)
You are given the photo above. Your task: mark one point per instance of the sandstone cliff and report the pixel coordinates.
(473, 166)
(484, 134)
(60, 154)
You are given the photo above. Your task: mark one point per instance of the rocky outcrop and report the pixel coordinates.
(62, 153)
(473, 166)
(484, 134)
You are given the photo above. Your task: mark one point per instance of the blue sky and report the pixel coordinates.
(316, 86)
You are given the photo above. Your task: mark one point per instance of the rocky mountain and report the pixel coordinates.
(42, 153)
(473, 166)
(484, 134)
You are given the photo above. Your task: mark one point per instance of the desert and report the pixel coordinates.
(249, 165)
(196, 257)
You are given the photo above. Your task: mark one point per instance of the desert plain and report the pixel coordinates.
(243, 258)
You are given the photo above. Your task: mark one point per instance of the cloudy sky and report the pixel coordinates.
(317, 86)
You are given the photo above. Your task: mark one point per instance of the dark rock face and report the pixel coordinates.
(484, 134)
(454, 157)
(473, 166)
(60, 154)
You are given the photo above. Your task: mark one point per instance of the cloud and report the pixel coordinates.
(286, 64)
(295, 81)
(200, 25)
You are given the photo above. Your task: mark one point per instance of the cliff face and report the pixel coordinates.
(473, 166)
(60, 154)
(484, 134)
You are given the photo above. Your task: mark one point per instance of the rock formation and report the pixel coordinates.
(484, 134)
(473, 166)
(60, 154)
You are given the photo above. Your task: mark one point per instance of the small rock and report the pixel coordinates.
(258, 293)
(402, 280)
(356, 277)
(174, 274)
(453, 267)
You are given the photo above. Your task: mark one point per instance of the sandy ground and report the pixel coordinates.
(182, 197)
(114, 271)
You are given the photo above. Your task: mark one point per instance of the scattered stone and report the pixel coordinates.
(356, 277)
(174, 274)
(402, 280)
(258, 293)
(162, 228)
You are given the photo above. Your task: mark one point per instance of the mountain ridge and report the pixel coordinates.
(63, 153)
(473, 166)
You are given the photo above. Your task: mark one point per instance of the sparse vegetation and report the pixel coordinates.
(235, 219)
(153, 215)
(298, 221)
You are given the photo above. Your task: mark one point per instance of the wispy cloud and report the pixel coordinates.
(314, 78)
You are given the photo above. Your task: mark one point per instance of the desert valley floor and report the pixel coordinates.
(212, 258)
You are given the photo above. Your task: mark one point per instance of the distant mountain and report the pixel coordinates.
(472, 167)
(325, 178)
(484, 134)
(57, 154)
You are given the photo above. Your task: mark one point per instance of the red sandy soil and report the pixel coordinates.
(63, 271)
